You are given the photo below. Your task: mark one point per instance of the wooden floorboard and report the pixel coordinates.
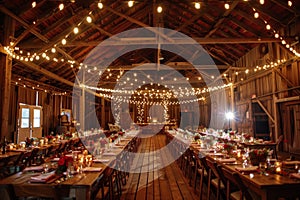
(166, 183)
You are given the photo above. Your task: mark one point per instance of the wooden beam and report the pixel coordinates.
(286, 79)
(135, 21)
(220, 21)
(145, 41)
(21, 21)
(266, 110)
(285, 6)
(243, 26)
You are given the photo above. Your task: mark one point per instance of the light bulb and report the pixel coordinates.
(61, 6)
(276, 35)
(53, 50)
(64, 41)
(76, 30)
(89, 19)
(283, 42)
(130, 3)
(197, 5)
(33, 4)
(290, 3)
(256, 15)
(159, 9)
(268, 27)
(261, 2)
(226, 6)
(100, 5)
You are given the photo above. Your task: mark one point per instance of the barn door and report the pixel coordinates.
(30, 118)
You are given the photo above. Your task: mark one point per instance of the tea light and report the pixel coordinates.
(41, 142)
(278, 169)
(85, 152)
(23, 145)
(238, 153)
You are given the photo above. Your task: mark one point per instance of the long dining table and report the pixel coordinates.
(79, 185)
(269, 186)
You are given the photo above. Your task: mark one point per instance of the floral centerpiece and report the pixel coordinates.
(228, 147)
(121, 133)
(63, 163)
(197, 136)
(259, 155)
(68, 136)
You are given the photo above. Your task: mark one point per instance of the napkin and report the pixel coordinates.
(100, 160)
(55, 160)
(92, 169)
(295, 175)
(34, 168)
(42, 178)
(247, 169)
(227, 160)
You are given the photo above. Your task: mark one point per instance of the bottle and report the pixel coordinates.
(4, 146)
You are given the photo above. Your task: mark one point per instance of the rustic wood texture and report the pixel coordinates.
(166, 183)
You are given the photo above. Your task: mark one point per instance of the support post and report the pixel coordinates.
(5, 80)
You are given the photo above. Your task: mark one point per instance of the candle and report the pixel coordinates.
(238, 153)
(278, 169)
(41, 142)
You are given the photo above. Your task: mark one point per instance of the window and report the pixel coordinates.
(36, 118)
(25, 118)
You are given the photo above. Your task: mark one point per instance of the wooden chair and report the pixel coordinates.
(200, 172)
(233, 179)
(218, 182)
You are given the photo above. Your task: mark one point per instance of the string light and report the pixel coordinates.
(89, 19)
(130, 3)
(61, 6)
(159, 9)
(64, 41)
(261, 2)
(256, 15)
(100, 5)
(226, 6)
(76, 30)
(197, 5)
(33, 4)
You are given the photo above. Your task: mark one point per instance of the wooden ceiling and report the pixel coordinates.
(226, 34)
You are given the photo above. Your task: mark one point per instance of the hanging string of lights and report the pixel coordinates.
(48, 54)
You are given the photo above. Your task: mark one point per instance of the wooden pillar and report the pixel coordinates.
(5, 79)
(102, 113)
(275, 136)
(232, 105)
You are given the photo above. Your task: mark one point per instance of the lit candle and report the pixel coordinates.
(238, 153)
(278, 169)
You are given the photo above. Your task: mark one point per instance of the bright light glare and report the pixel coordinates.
(229, 115)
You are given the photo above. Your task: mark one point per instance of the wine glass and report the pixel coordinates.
(263, 166)
(46, 167)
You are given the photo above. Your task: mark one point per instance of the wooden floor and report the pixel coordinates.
(166, 183)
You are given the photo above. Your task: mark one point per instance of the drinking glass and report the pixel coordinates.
(46, 167)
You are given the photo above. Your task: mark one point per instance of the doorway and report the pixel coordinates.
(30, 119)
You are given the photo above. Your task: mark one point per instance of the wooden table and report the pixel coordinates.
(80, 185)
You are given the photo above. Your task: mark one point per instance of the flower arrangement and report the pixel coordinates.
(259, 155)
(63, 163)
(68, 135)
(228, 147)
(121, 133)
(197, 136)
